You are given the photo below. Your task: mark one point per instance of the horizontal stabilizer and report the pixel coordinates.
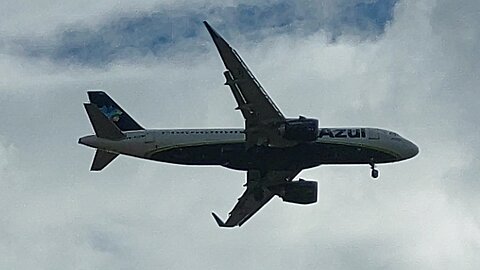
(103, 127)
(102, 159)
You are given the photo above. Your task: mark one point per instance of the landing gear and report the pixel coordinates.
(374, 171)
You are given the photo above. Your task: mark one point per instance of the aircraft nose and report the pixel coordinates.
(412, 150)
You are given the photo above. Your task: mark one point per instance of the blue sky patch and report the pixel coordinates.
(166, 32)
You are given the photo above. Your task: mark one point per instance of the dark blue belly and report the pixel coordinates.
(235, 156)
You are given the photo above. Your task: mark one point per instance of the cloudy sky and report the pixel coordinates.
(411, 66)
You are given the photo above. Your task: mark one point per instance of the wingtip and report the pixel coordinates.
(207, 25)
(218, 220)
(212, 32)
(210, 29)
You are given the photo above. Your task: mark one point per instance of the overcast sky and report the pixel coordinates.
(411, 66)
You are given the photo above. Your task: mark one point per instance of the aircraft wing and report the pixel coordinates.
(258, 193)
(262, 116)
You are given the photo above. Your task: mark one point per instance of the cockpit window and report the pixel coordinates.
(394, 136)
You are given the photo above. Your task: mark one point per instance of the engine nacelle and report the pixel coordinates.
(301, 192)
(301, 129)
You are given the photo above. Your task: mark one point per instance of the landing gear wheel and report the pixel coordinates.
(374, 171)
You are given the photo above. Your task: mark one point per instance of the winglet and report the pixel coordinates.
(219, 221)
(220, 43)
(212, 32)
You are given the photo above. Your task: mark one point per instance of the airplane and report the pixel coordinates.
(271, 148)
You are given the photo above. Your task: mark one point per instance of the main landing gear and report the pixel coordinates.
(374, 171)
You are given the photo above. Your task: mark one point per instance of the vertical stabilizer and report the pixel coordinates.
(113, 111)
(103, 127)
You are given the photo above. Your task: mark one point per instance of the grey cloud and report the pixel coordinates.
(423, 213)
(173, 30)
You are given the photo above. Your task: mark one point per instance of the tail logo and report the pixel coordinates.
(111, 113)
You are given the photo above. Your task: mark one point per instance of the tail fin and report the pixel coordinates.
(102, 159)
(112, 111)
(103, 127)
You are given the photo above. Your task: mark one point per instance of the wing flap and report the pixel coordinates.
(237, 94)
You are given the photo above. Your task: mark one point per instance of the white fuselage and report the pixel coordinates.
(226, 147)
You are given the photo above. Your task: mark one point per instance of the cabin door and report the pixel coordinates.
(149, 137)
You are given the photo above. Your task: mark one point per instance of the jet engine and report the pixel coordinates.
(301, 129)
(301, 192)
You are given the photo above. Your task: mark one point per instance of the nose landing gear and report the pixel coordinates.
(374, 171)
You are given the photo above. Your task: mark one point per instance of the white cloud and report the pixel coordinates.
(418, 79)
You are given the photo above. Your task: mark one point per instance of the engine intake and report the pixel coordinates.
(301, 129)
(301, 192)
